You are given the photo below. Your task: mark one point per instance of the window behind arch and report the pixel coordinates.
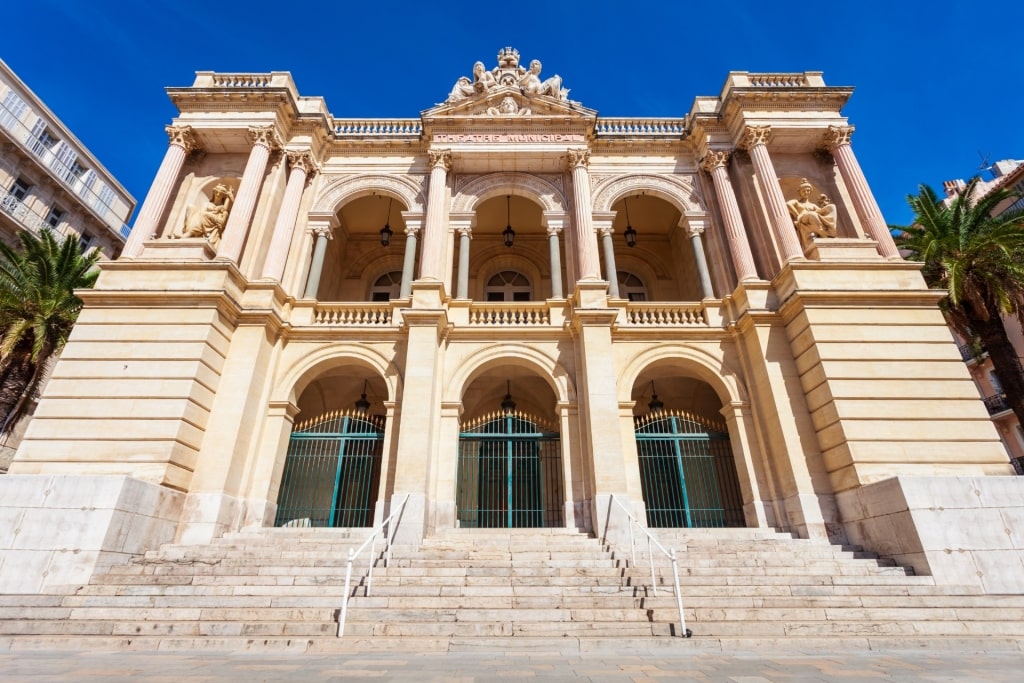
(631, 287)
(508, 285)
(388, 286)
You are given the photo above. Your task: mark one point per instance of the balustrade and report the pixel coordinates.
(377, 127)
(375, 314)
(242, 80)
(514, 314)
(778, 80)
(645, 127)
(666, 314)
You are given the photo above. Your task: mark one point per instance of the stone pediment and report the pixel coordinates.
(508, 91)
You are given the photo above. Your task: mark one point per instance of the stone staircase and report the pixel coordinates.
(536, 588)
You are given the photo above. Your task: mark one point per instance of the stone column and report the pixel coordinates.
(462, 290)
(302, 166)
(736, 234)
(323, 234)
(181, 142)
(431, 267)
(409, 262)
(694, 229)
(264, 139)
(837, 140)
(611, 273)
(755, 138)
(589, 266)
(556, 262)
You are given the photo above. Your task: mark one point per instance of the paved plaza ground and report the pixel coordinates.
(686, 664)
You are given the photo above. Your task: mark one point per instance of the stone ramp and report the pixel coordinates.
(464, 589)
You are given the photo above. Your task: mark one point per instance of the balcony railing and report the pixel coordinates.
(377, 128)
(68, 176)
(648, 314)
(20, 212)
(665, 127)
(996, 404)
(355, 315)
(513, 314)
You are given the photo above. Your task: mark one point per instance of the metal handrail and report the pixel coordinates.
(669, 553)
(372, 542)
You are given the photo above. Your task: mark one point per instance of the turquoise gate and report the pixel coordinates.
(332, 471)
(510, 473)
(687, 472)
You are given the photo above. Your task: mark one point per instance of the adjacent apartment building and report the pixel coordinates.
(1007, 174)
(50, 181)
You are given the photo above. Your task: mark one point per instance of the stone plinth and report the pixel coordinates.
(842, 249)
(184, 249)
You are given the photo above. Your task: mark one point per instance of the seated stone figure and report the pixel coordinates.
(209, 220)
(812, 220)
(531, 83)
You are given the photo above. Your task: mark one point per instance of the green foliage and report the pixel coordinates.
(38, 308)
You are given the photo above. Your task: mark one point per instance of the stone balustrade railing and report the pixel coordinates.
(647, 314)
(514, 314)
(356, 314)
(242, 80)
(778, 80)
(674, 127)
(378, 127)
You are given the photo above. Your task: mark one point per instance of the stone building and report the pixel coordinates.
(50, 181)
(510, 311)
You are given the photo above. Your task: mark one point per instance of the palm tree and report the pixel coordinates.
(978, 258)
(38, 306)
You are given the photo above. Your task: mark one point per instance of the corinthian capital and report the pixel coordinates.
(440, 158)
(714, 159)
(303, 159)
(836, 136)
(264, 135)
(579, 158)
(756, 135)
(322, 230)
(182, 136)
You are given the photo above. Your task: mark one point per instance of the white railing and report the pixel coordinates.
(632, 127)
(378, 530)
(18, 210)
(670, 554)
(378, 315)
(666, 315)
(71, 177)
(377, 127)
(515, 314)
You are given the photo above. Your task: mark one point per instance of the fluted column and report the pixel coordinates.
(755, 138)
(181, 142)
(586, 240)
(837, 140)
(264, 139)
(556, 262)
(316, 269)
(431, 267)
(735, 233)
(301, 167)
(611, 272)
(462, 290)
(694, 226)
(409, 262)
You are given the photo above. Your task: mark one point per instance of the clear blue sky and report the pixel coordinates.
(936, 82)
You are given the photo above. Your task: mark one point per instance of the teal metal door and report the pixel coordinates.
(332, 471)
(510, 474)
(687, 472)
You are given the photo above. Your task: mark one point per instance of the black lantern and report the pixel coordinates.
(655, 406)
(362, 405)
(508, 405)
(630, 233)
(508, 234)
(386, 232)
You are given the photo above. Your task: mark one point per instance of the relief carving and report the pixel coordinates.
(508, 74)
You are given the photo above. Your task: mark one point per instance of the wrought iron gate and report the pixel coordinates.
(510, 473)
(687, 472)
(332, 471)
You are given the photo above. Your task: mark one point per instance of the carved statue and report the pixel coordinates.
(533, 85)
(812, 220)
(508, 107)
(209, 220)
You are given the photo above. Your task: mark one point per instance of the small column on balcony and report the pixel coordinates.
(302, 167)
(322, 232)
(837, 141)
(694, 224)
(181, 142)
(434, 231)
(603, 227)
(413, 222)
(755, 139)
(264, 140)
(715, 163)
(554, 223)
(465, 234)
(586, 240)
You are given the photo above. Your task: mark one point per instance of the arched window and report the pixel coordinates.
(631, 287)
(388, 286)
(508, 285)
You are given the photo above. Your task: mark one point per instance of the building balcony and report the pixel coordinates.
(21, 214)
(996, 404)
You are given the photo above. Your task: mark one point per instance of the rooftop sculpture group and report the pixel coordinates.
(508, 73)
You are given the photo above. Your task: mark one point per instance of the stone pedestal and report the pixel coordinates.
(184, 249)
(842, 249)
